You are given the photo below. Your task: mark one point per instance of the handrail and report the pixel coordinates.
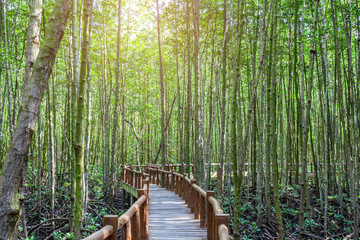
(223, 232)
(103, 233)
(216, 205)
(134, 222)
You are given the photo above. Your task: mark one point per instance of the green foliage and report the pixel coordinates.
(61, 236)
(31, 238)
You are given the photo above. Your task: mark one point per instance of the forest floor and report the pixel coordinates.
(255, 225)
(38, 224)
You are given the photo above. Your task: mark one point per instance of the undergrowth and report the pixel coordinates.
(256, 225)
(35, 224)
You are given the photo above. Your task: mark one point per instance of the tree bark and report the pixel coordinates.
(33, 35)
(79, 144)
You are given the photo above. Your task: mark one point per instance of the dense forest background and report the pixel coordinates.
(268, 89)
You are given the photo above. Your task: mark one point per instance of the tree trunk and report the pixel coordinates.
(162, 96)
(79, 145)
(74, 84)
(189, 94)
(33, 35)
(116, 107)
(306, 119)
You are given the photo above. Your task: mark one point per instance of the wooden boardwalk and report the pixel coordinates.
(170, 218)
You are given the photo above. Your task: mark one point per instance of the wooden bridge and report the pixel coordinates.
(169, 206)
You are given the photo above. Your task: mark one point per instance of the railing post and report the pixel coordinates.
(192, 195)
(151, 177)
(131, 182)
(181, 194)
(123, 173)
(168, 181)
(172, 185)
(126, 231)
(135, 180)
(177, 187)
(139, 180)
(163, 180)
(197, 202)
(144, 216)
(184, 187)
(147, 182)
(113, 221)
(220, 219)
(202, 211)
(209, 215)
(157, 177)
(142, 178)
(135, 228)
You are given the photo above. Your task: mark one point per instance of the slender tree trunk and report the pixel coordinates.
(220, 177)
(116, 107)
(211, 107)
(162, 96)
(79, 145)
(180, 107)
(189, 93)
(74, 84)
(51, 154)
(306, 118)
(198, 158)
(272, 119)
(88, 117)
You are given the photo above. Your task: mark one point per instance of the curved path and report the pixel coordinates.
(170, 218)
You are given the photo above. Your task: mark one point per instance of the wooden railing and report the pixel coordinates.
(214, 166)
(203, 204)
(134, 223)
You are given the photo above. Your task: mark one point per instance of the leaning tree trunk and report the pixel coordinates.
(10, 179)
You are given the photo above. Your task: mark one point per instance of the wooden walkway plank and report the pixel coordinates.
(170, 218)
